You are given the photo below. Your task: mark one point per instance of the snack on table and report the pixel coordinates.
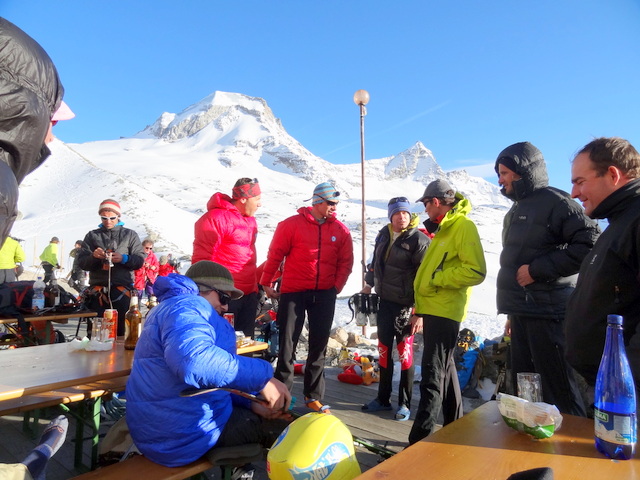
(538, 419)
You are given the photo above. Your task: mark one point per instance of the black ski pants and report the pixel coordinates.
(439, 387)
(319, 306)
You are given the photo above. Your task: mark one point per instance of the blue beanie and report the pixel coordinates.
(398, 204)
(323, 192)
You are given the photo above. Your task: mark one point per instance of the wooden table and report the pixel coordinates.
(25, 371)
(49, 318)
(480, 445)
(254, 346)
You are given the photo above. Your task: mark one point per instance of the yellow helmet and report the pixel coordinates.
(315, 446)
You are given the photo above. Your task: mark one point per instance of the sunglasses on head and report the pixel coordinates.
(108, 218)
(398, 199)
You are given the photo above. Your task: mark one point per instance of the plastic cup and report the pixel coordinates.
(529, 386)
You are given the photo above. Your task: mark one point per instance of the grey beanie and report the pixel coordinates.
(212, 275)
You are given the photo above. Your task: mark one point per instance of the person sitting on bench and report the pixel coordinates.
(187, 344)
(34, 465)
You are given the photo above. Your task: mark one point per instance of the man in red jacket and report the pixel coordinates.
(317, 252)
(227, 234)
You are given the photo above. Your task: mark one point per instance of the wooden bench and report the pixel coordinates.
(88, 399)
(137, 466)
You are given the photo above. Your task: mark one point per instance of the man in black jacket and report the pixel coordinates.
(398, 251)
(606, 179)
(110, 254)
(31, 92)
(545, 236)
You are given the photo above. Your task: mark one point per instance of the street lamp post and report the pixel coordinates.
(361, 98)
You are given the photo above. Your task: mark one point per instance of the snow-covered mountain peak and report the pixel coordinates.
(223, 110)
(417, 162)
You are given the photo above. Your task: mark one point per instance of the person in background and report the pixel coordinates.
(317, 252)
(398, 252)
(545, 237)
(31, 93)
(49, 259)
(165, 267)
(77, 277)
(11, 254)
(34, 465)
(110, 253)
(185, 343)
(606, 178)
(227, 234)
(454, 262)
(145, 277)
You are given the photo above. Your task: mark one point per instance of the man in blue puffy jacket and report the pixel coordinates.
(186, 343)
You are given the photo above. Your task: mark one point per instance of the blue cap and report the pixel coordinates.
(614, 319)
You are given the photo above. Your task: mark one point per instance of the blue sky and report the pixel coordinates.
(466, 78)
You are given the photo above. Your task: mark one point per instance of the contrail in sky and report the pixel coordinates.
(394, 127)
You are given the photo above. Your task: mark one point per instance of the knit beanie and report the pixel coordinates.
(323, 192)
(209, 275)
(110, 204)
(398, 204)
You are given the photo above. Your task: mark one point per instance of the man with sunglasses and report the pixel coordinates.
(454, 262)
(186, 344)
(316, 252)
(227, 234)
(110, 254)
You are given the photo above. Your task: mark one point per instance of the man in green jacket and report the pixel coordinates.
(453, 263)
(49, 259)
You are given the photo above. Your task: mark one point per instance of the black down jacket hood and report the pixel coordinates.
(30, 91)
(527, 161)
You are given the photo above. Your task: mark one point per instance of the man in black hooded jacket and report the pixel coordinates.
(545, 236)
(30, 93)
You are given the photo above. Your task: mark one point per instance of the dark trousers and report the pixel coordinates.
(244, 426)
(319, 306)
(538, 345)
(245, 310)
(439, 387)
(48, 272)
(393, 324)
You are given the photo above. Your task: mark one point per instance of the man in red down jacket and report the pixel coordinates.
(317, 252)
(226, 234)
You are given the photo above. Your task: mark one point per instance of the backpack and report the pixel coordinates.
(15, 300)
(468, 359)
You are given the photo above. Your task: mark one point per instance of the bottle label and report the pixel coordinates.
(613, 427)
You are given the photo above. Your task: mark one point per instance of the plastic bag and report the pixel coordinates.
(539, 419)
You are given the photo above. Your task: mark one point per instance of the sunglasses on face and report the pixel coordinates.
(329, 202)
(225, 298)
(108, 218)
(148, 248)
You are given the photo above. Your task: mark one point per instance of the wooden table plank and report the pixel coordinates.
(25, 371)
(480, 445)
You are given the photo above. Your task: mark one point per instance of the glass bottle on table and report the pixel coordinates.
(615, 397)
(133, 324)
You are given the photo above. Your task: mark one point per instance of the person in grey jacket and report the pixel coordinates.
(545, 237)
(399, 248)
